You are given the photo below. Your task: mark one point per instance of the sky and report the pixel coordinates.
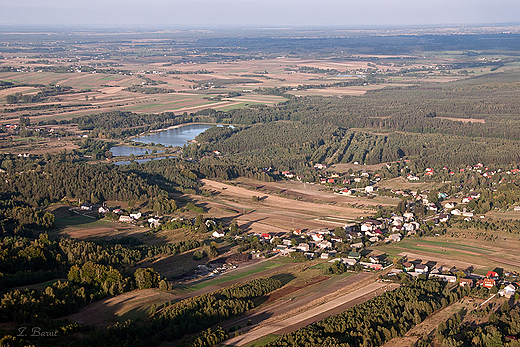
(170, 14)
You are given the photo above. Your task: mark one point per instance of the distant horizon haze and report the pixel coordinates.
(268, 14)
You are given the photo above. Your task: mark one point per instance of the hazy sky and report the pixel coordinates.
(257, 13)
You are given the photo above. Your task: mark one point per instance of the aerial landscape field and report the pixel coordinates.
(270, 185)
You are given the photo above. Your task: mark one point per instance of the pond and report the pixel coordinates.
(176, 136)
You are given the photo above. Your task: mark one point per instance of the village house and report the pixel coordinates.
(324, 244)
(443, 217)
(218, 233)
(303, 247)
(86, 207)
(357, 245)
(408, 266)
(450, 204)
(393, 238)
(397, 220)
(317, 237)
(492, 274)
(421, 268)
(126, 219)
(408, 216)
(466, 282)
(432, 207)
(370, 225)
(280, 248)
(336, 239)
(374, 239)
(487, 283)
(372, 266)
(135, 215)
(376, 232)
(508, 291)
(354, 255)
(466, 199)
(354, 235)
(397, 228)
(288, 250)
(154, 222)
(297, 232)
(445, 278)
(103, 210)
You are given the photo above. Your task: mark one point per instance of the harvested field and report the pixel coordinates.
(312, 193)
(23, 90)
(344, 167)
(336, 91)
(401, 183)
(129, 305)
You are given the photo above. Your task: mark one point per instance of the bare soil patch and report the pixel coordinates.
(465, 120)
(286, 290)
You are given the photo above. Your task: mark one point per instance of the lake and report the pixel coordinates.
(175, 137)
(119, 151)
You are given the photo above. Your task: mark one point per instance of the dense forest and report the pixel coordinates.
(424, 122)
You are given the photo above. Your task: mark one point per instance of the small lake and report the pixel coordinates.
(175, 137)
(119, 151)
(363, 76)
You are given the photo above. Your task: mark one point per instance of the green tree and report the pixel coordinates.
(146, 278)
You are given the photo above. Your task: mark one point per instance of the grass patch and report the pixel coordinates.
(457, 246)
(80, 222)
(263, 341)
(234, 276)
(41, 286)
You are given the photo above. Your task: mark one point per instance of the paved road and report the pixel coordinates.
(303, 317)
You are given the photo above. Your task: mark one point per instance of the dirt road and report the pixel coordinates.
(316, 313)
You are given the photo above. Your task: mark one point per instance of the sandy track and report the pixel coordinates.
(304, 316)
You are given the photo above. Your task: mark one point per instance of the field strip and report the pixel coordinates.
(274, 327)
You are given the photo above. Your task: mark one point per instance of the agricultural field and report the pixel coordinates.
(464, 253)
(291, 151)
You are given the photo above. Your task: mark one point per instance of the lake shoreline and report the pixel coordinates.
(155, 131)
